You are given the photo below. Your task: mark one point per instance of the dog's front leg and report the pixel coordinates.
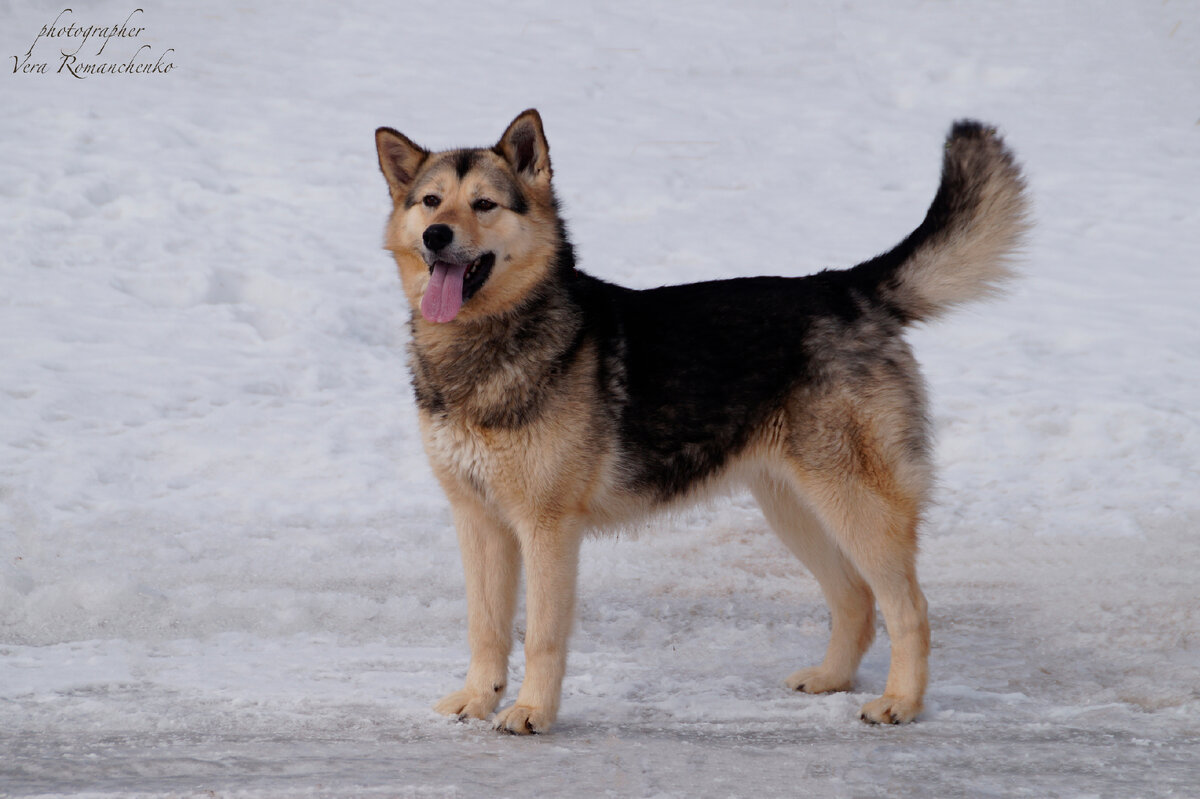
(550, 550)
(492, 567)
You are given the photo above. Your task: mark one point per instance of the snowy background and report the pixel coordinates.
(226, 567)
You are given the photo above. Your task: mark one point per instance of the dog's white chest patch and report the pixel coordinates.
(461, 451)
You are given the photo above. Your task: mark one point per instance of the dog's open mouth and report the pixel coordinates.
(451, 284)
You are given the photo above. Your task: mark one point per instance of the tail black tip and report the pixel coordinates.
(970, 129)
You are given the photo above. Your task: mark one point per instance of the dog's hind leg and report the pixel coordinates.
(851, 603)
(492, 566)
(875, 524)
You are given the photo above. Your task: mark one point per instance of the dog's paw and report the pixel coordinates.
(523, 720)
(468, 704)
(890, 710)
(817, 680)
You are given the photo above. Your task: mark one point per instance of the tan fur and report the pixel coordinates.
(848, 512)
(976, 260)
(522, 244)
(837, 472)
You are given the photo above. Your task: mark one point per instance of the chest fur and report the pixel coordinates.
(509, 468)
(464, 452)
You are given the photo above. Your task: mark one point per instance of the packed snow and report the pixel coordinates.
(225, 567)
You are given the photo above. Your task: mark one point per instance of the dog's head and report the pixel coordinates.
(473, 231)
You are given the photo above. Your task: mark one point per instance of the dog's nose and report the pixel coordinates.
(438, 236)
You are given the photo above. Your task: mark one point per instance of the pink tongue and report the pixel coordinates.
(443, 297)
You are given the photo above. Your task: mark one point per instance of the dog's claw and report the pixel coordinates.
(890, 710)
(818, 680)
(519, 720)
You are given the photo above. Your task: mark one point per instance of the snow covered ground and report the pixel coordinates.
(226, 569)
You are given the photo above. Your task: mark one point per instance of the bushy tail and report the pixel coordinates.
(962, 251)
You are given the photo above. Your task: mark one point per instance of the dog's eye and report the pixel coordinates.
(431, 200)
(483, 204)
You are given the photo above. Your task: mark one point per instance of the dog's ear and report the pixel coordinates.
(524, 146)
(399, 158)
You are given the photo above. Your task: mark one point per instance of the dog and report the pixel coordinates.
(552, 403)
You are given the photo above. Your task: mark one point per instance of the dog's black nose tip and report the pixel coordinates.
(438, 236)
